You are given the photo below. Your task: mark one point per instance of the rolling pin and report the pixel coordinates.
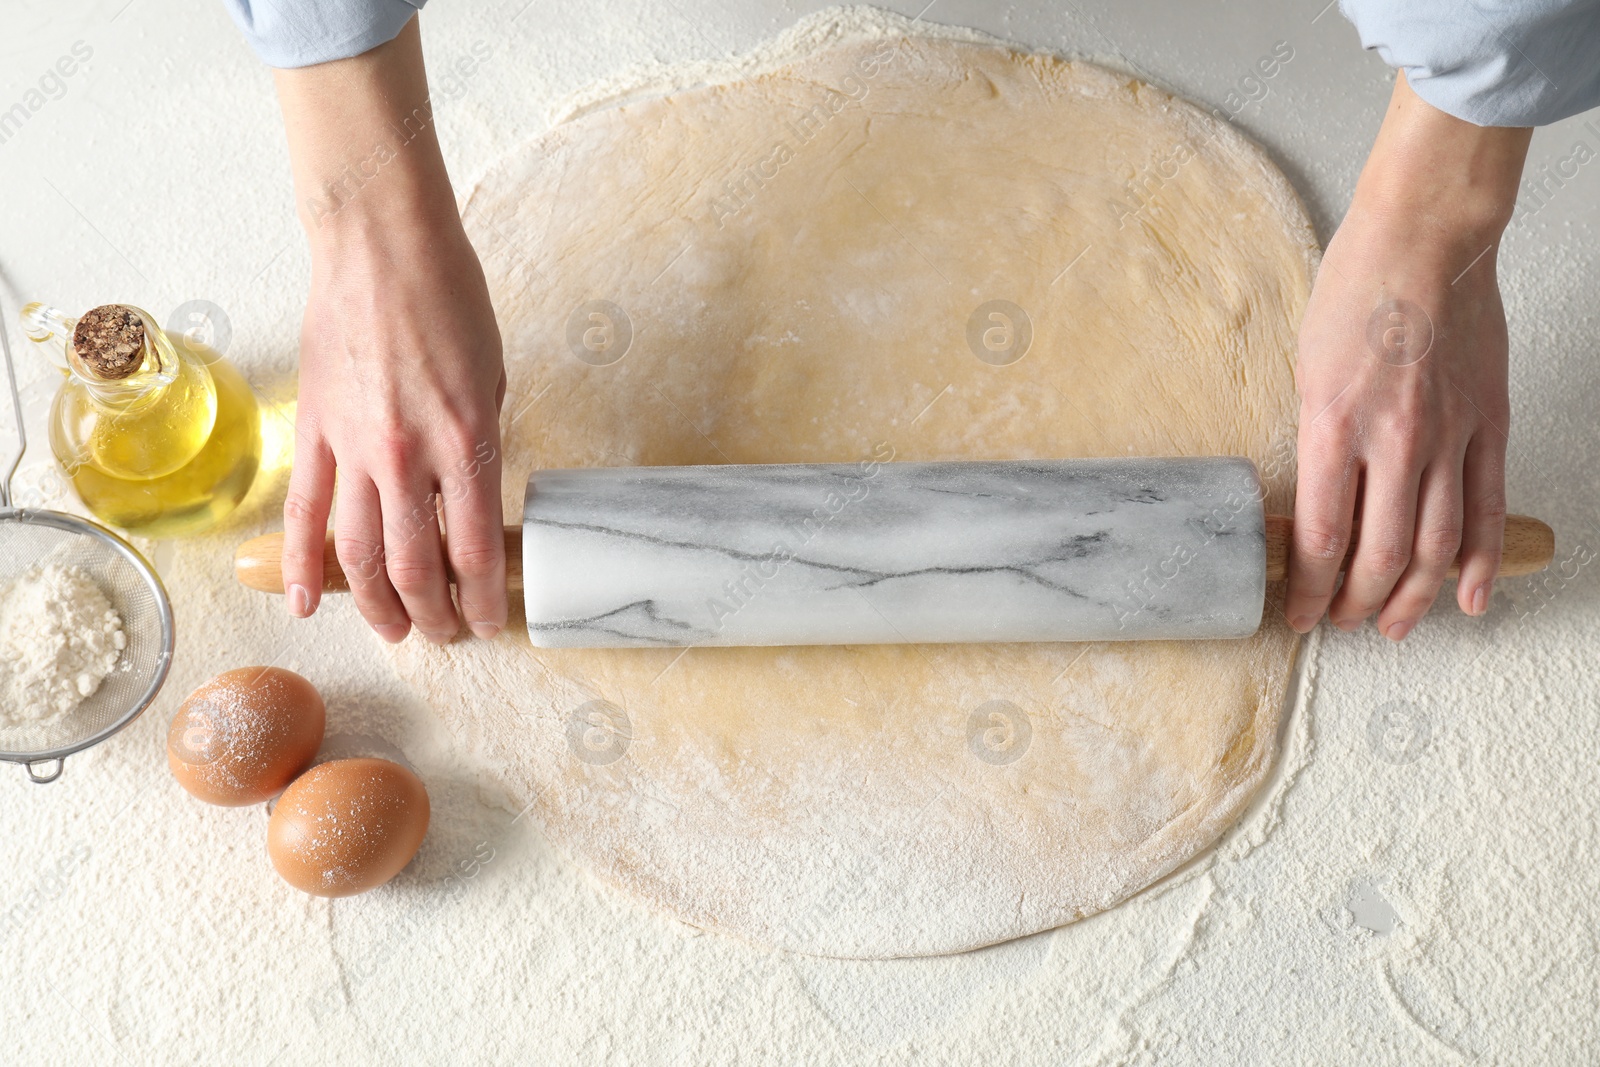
(883, 553)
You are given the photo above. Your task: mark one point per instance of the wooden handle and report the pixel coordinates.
(259, 563)
(1528, 547)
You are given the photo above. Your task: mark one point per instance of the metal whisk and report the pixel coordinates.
(32, 537)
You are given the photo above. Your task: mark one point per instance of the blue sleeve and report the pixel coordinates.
(1490, 62)
(298, 33)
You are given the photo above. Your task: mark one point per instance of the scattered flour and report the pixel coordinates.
(59, 638)
(805, 37)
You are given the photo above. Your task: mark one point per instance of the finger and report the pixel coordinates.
(475, 542)
(1324, 501)
(414, 558)
(1438, 539)
(358, 542)
(1383, 546)
(1483, 527)
(305, 518)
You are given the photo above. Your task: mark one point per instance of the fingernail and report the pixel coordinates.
(1480, 599)
(488, 631)
(393, 632)
(439, 639)
(299, 601)
(1398, 630)
(1304, 623)
(1348, 625)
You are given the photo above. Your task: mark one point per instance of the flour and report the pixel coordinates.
(804, 38)
(59, 638)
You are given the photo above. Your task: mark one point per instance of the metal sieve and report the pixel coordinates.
(29, 538)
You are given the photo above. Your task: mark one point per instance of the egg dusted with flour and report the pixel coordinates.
(244, 735)
(347, 826)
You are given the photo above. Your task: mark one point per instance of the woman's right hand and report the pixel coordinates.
(401, 377)
(401, 383)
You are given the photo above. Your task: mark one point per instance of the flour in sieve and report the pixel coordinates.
(59, 638)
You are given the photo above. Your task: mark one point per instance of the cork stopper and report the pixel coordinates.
(109, 341)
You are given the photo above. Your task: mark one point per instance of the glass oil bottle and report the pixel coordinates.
(158, 434)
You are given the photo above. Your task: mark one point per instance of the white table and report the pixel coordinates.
(1402, 901)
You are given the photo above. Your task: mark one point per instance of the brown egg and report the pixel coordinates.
(243, 736)
(347, 826)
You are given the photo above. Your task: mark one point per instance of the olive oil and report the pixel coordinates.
(164, 450)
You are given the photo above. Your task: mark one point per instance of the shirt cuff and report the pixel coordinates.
(300, 33)
(1523, 63)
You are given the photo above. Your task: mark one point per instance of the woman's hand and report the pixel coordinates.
(401, 377)
(1402, 379)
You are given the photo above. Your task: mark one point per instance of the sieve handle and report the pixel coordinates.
(22, 434)
(45, 779)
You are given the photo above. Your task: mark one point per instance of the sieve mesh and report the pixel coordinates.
(32, 538)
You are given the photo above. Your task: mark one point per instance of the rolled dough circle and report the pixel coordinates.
(942, 250)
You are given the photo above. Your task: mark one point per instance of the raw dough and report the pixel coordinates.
(799, 260)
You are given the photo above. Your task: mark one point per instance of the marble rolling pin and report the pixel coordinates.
(882, 553)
